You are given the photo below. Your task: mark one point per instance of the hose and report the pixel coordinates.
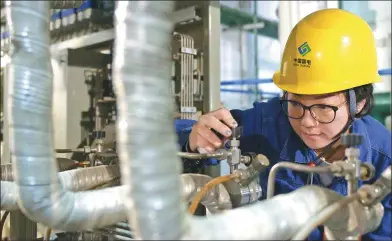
(206, 188)
(296, 167)
(2, 224)
(323, 216)
(41, 195)
(150, 166)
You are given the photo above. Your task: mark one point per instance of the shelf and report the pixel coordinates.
(84, 41)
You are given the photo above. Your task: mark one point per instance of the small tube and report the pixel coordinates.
(295, 167)
(200, 156)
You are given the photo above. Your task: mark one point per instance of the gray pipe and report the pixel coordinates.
(85, 178)
(7, 173)
(278, 218)
(74, 180)
(146, 140)
(42, 198)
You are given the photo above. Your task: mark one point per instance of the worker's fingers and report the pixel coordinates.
(202, 142)
(211, 121)
(209, 136)
(224, 115)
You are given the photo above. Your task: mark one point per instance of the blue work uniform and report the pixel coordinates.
(266, 130)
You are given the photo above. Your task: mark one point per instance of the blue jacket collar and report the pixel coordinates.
(295, 150)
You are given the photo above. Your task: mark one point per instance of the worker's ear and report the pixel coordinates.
(360, 105)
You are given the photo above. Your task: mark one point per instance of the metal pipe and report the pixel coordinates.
(74, 180)
(383, 185)
(324, 215)
(272, 219)
(296, 167)
(256, 46)
(144, 30)
(7, 173)
(345, 218)
(42, 198)
(219, 155)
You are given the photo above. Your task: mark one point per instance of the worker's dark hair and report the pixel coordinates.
(364, 92)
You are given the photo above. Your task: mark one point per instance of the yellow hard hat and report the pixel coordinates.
(329, 50)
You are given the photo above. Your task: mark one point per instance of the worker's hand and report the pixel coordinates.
(202, 136)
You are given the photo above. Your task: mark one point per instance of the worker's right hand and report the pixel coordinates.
(202, 136)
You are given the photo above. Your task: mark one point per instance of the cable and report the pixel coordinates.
(323, 216)
(2, 224)
(206, 188)
(295, 167)
(48, 231)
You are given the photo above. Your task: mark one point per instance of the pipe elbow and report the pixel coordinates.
(68, 211)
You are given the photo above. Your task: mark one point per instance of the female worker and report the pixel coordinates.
(328, 67)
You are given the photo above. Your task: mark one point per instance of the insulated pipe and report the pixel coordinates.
(278, 218)
(146, 141)
(75, 180)
(42, 198)
(64, 164)
(83, 179)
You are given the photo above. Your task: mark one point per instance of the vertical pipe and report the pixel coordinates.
(211, 64)
(256, 47)
(150, 166)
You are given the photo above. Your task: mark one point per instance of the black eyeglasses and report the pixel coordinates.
(322, 113)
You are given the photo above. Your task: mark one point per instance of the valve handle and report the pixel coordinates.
(352, 139)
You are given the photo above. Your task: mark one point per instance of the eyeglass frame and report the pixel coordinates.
(305, 107)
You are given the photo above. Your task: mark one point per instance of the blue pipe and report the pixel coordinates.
(385, 72)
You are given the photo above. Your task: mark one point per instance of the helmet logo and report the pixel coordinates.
(304, 49)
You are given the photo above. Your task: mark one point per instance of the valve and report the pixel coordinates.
(234, 159)
(246, 188)
(352, 139)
